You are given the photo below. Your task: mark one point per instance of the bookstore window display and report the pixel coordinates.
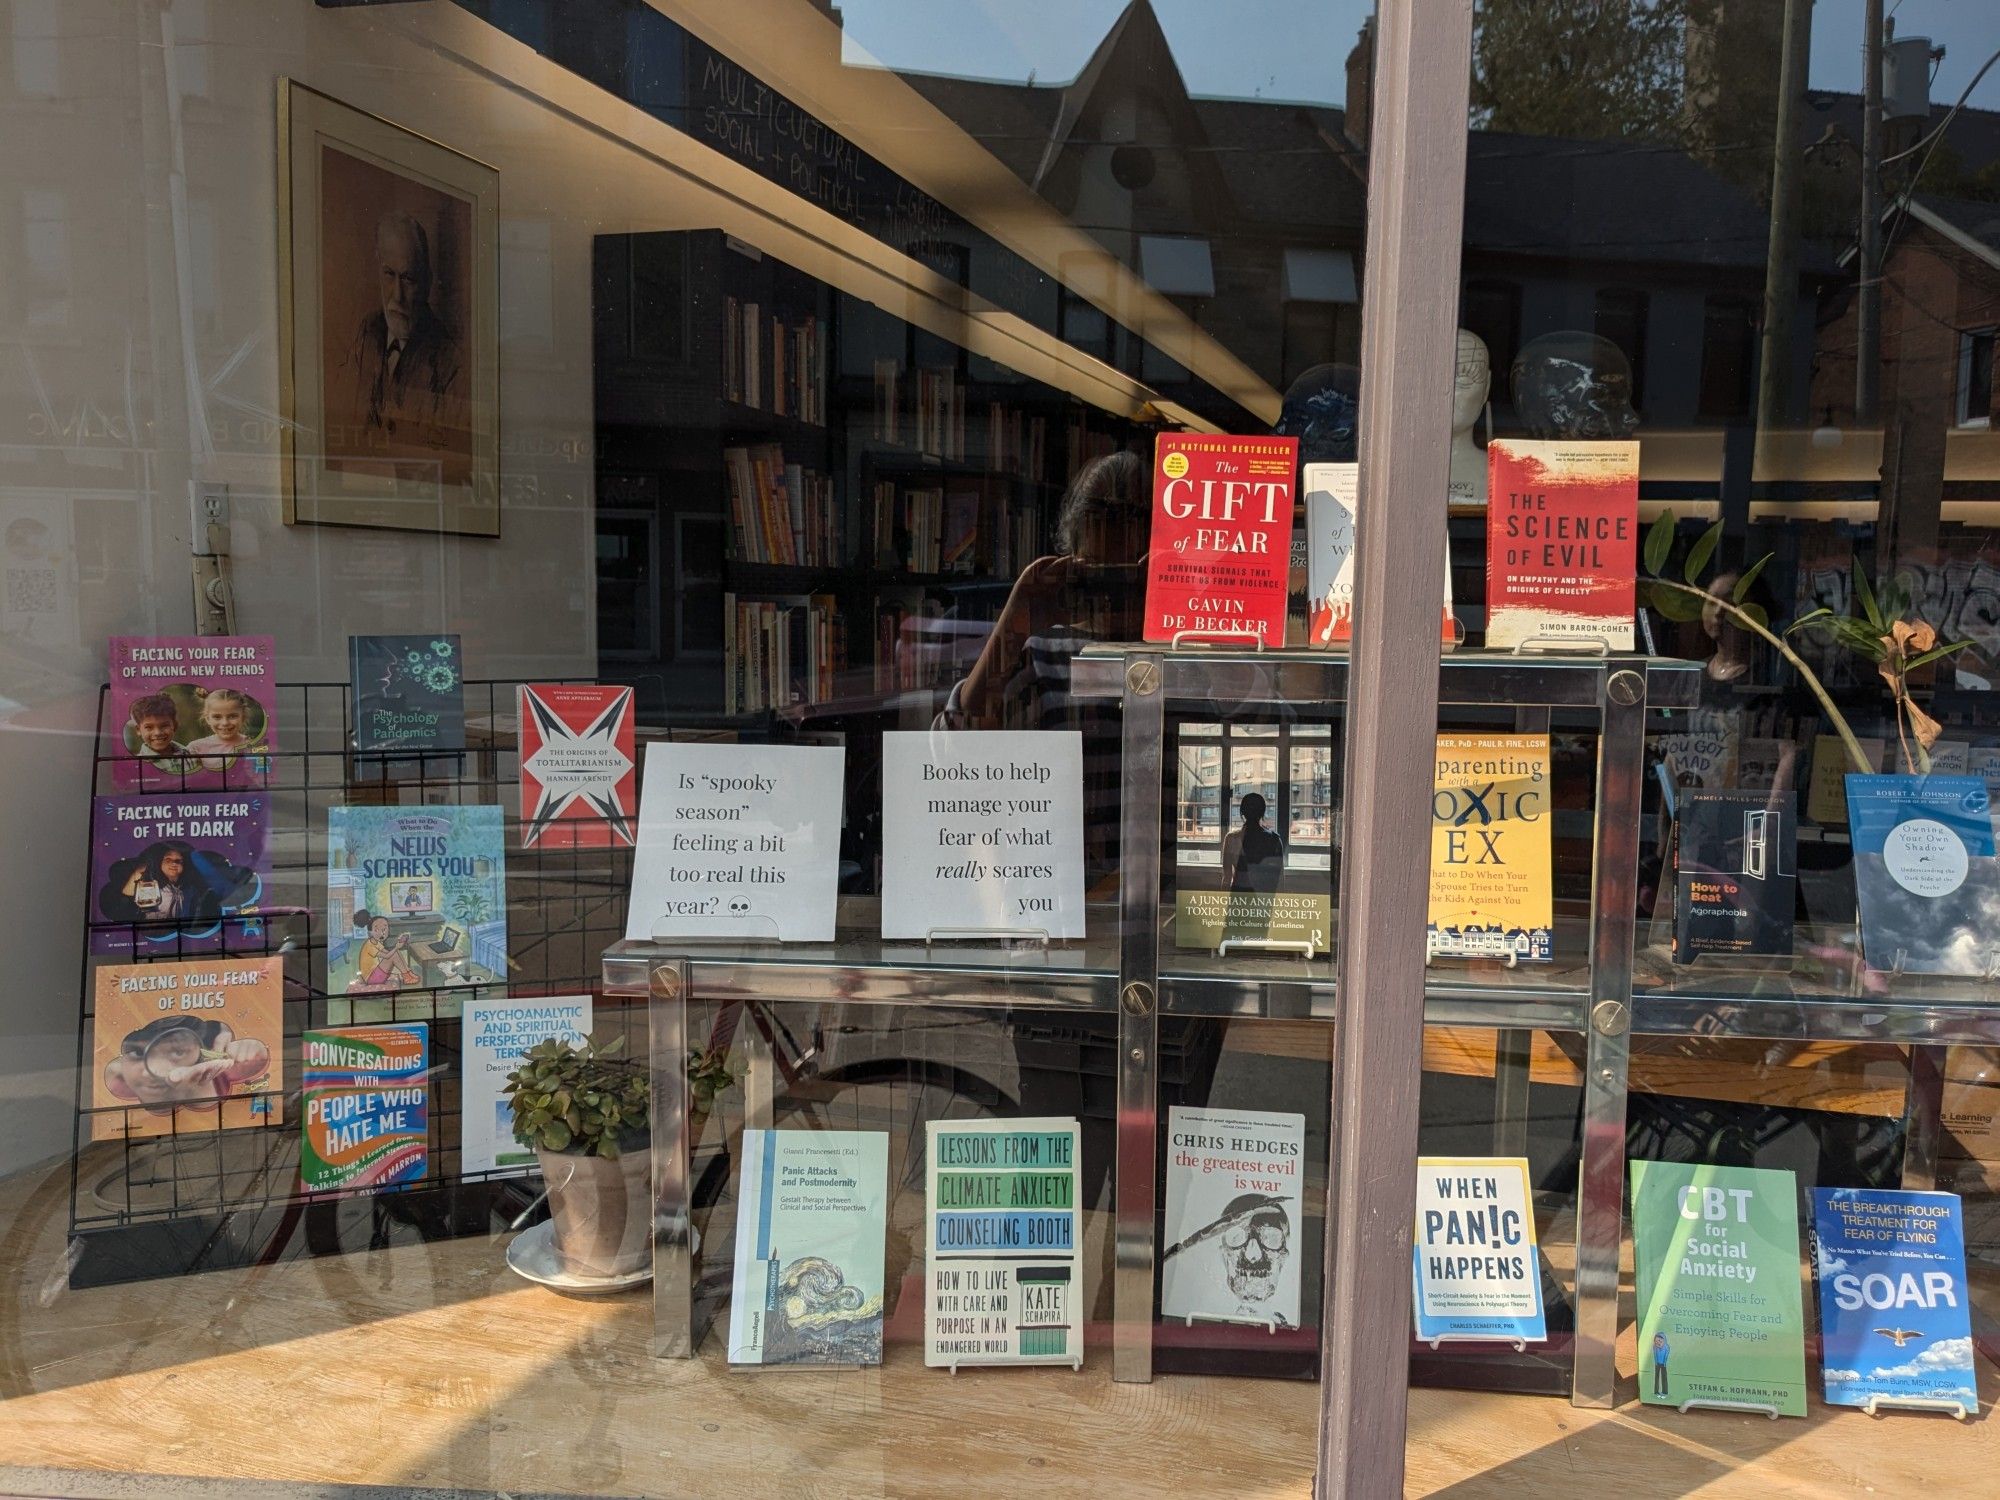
(811, 775)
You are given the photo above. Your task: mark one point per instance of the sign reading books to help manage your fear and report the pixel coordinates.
(1475, 1265)
(738, 840)
(1895, 1322)
(1003, 1279)
(1716, 1251)
(1561, 542)
(1220, 561)
(1235, 1222)
(982, 830)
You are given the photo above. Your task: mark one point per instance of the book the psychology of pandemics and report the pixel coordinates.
(364, 1106)
(1003, 1268)
(1925, 874)
(1562, 530)
(1895, 1315)
(416, 899)
(808, 1287)
(173, 875)
(408, 691)
(1235, 1225)
(579, 770)
(187, 1046)
(1219, 562)
(1735, 876)
(190, 713)
(1491, 889)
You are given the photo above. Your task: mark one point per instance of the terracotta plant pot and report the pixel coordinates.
(602, 1211)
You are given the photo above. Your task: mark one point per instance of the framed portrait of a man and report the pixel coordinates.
(391, 364)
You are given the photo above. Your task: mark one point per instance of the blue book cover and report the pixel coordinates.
(1925, 873)
(416, 900)
(409, 692)
(1893, 1315)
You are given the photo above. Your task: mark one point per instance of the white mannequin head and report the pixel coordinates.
(1471, 382)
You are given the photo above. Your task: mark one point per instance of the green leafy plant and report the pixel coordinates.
(590, 1100)
(1880, 634)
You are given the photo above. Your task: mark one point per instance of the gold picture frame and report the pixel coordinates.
(389, 260)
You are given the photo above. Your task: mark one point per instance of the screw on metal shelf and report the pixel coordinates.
(666, 983)
(1137, 1054)
(1142, 678)
(1137, 998)
(1608, 1018)
(1626, 687)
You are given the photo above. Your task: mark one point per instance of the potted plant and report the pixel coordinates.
(587, 1111)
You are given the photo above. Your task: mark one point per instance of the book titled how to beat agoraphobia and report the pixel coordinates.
(1561, 542)
(1332, 494)
(1716, 1252)
(1491, 891)
(1235, 1216)
(416, 899)
(365, 1106)
(579, 770)
(1477, 1273)
(1222, 537)
(1003, 1266)
(808, 1280)
(1894, 1317)
(1735, 882)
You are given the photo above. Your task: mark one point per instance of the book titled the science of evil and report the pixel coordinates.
(1219, 564)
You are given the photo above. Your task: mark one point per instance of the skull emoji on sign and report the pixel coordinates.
(739, 906)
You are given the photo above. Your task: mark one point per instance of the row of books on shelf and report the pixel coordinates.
(963, 530)
(780, 651)
(774, 365)
(780, 512)
(935, 421)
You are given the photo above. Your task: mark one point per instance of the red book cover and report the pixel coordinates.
(1562, 528)
(1222, 537)
(579, 788)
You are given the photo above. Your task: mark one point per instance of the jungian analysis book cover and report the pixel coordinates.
(808, 1284)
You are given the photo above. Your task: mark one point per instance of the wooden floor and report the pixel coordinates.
(431, 1366)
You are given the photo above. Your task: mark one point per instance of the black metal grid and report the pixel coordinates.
(201, 1195)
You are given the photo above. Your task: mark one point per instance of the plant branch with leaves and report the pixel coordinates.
(1880, 633)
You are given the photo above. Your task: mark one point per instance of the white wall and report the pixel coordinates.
(121, 291)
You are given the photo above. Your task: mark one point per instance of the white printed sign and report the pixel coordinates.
(738, 841)
(498, 1034)
(982, 829)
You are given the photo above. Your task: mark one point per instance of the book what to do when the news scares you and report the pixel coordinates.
(1219, 564)
(1561, 543)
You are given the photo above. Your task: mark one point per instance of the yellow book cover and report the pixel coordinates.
(1491, 891)
(1826, 793)
(188, 1047)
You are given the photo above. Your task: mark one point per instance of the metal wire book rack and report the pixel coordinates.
(202, 1196)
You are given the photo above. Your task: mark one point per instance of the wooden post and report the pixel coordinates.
(1416, 193)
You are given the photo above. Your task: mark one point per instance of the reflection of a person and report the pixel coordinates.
(407, 382)
(1252, 855)
(1660, 1364)
(384, 964)
(176, 1062)
(1092, 590)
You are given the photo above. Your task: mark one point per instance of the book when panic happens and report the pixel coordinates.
(1332, 492)
(416, 899)
(579, 776)
(409, 692)
(808, 1283)
(364, 1106)
(1561, 542)
(1491, 889)
(189, 713)
(1735, 877)
(1222, 537)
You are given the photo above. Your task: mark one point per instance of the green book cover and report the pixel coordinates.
(1720, 1319)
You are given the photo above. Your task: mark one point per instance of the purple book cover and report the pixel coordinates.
(179, 874)
(190, 712)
